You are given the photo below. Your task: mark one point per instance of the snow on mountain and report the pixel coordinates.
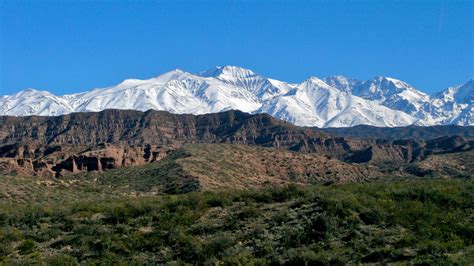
(330, 102)
(263, 88)
(390, 92)
(315, 103)
(465, 93)
(462, 94)
(394, 94)
(398, 95)
(229, 72)
(454, 105)
(342, 83)
(466, 117)
(34, 102)
(175, 91)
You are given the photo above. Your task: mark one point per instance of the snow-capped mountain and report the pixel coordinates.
(392, 93)
(454, 105)
(315, 103)
(34, 102)
(263, 88)
(176, 91)
(330, 102)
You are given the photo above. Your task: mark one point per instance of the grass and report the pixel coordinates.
(46, 221)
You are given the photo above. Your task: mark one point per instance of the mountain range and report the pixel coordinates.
(334, 101)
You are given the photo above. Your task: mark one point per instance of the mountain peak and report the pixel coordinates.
(32, 92)
(465, 93)
(174, 72)
(469, 83)
(315, 81)
(232, 71)
(29, 90)
(338, 77)
(170, 75)
(341, 82)
(396, 82)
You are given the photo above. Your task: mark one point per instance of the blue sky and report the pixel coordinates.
(71, 46)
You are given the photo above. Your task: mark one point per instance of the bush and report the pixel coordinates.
(26, 246)
(407, 222)
(61, 259)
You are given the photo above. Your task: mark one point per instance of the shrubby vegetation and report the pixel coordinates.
(423, 221)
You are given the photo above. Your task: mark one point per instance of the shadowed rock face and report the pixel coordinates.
(110, 139)
(36, 134)
(153, 127)
(408, 133)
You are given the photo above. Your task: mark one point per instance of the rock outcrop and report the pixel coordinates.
(109, 139)
(66, 161)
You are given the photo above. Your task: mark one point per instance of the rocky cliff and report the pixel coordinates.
(81, 142)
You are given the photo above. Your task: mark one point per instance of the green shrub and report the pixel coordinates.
(408, 222)
(61, 259)
(26, 246)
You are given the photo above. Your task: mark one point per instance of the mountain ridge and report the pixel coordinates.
(334, 101)
(96, 141)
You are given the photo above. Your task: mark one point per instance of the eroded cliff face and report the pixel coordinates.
(63, 161)
(82, 142)
(152, 127)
